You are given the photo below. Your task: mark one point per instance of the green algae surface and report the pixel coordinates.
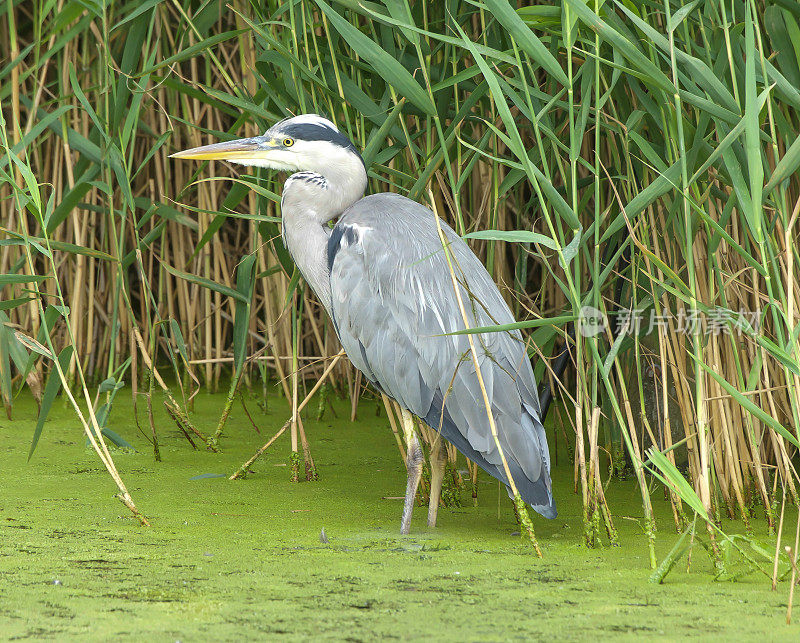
(235, 560)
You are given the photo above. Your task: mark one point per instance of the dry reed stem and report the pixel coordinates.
(793, 560)
(243, 469)
(778, 543)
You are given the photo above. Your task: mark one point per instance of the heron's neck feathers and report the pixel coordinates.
(328, 189)
(310, 200)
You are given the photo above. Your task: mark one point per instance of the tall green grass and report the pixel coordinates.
(644, 155)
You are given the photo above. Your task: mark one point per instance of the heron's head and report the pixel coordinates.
(307, 142)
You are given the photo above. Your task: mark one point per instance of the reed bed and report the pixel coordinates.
(627, 171)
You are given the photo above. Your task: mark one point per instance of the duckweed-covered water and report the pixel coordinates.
(244, 560)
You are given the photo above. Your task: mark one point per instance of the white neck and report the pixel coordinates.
(309, 201)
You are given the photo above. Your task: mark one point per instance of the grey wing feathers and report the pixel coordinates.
(392, 304)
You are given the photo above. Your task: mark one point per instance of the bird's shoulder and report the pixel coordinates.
(385, 206)
(393, 294)
(392, 227)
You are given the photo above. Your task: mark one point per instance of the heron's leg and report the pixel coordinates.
(414, 468)
(438, 461)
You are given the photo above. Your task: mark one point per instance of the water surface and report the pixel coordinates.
(241, 560)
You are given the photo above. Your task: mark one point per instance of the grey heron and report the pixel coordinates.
(383, 274)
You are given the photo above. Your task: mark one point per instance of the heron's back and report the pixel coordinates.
(393, 303)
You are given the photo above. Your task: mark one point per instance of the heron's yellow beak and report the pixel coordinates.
(242, 149)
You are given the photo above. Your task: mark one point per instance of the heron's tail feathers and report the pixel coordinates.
(532, 481)
(533, 478)
(536, 493)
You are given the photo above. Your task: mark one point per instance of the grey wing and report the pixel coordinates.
(393, 302)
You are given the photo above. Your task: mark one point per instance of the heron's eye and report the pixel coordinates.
(288, 142)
